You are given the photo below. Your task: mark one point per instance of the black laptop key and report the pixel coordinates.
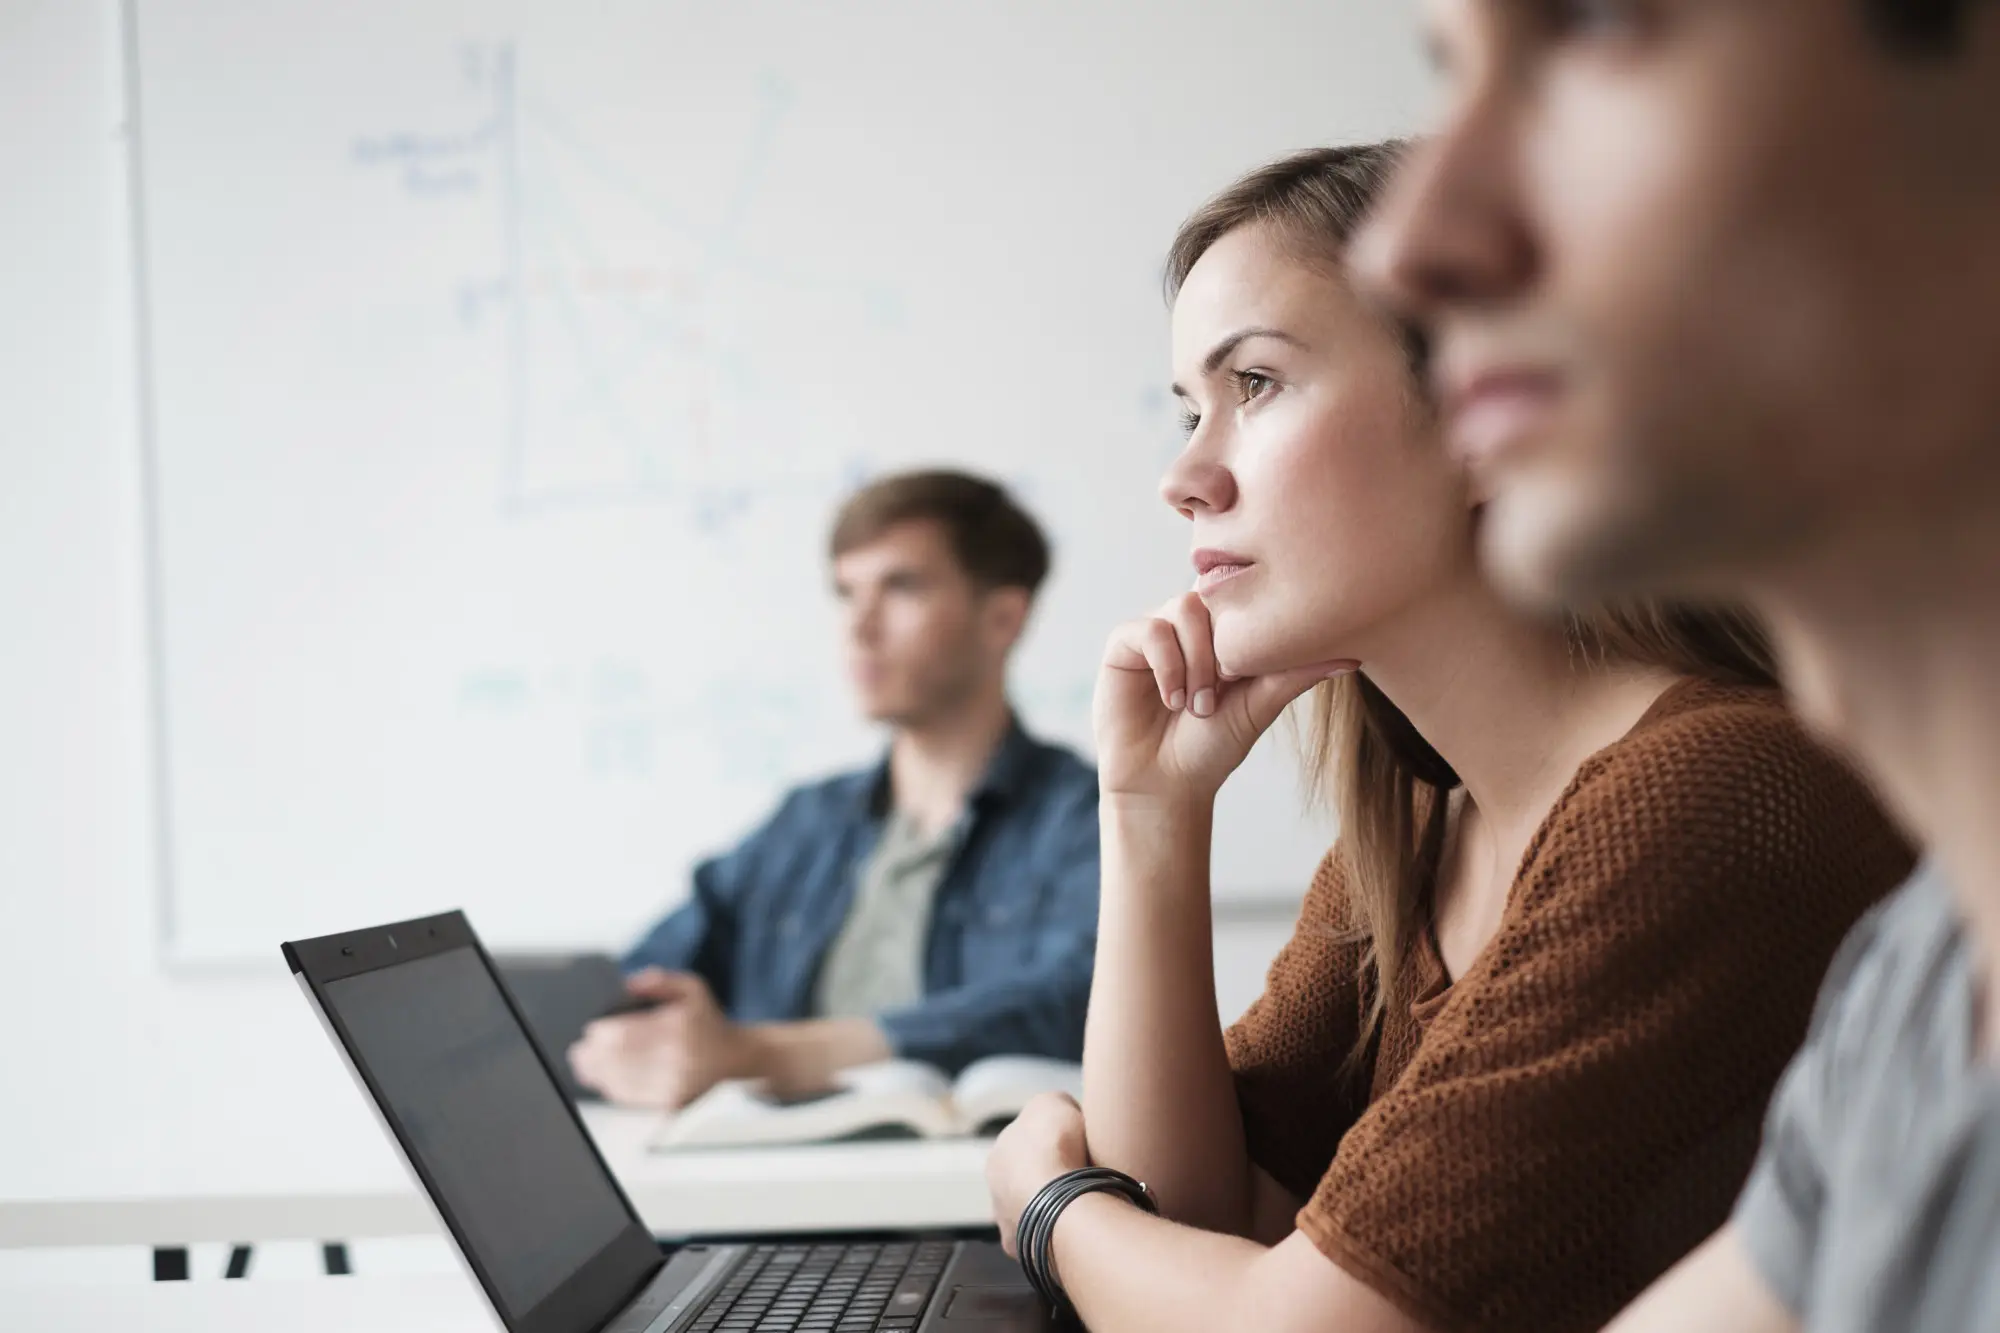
(828, 1289)
(912, 1294)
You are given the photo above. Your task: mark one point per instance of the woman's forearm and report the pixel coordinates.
(1158, 1097)
(1130, 1273)
(1127, 1271)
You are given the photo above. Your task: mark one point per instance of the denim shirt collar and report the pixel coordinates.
(1005, 777)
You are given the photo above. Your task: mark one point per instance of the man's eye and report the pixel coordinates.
(1597, 18)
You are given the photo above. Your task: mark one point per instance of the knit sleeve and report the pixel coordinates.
(1290, 1051)
(1585, 1100)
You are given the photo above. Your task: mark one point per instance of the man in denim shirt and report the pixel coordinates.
(941, 906)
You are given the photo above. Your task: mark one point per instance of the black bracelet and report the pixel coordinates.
(1038, 1222)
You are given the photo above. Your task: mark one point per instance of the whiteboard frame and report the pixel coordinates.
(151, 543)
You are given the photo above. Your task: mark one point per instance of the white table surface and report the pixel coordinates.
(810, 1188)
(325, 1305)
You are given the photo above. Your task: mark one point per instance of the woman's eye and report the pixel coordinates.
(1251, 384)
(1190, 422)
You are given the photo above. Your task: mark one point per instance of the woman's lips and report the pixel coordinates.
(1215, 568)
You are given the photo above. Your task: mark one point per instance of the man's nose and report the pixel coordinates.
(1445, 232)
(864, 619)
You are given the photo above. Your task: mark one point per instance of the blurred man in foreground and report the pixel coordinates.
(1713, 296)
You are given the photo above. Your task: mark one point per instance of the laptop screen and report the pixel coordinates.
(478, 1111)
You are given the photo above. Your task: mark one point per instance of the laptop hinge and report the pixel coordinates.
(691, 1297)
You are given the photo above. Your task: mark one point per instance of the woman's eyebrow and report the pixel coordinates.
(1220, 352)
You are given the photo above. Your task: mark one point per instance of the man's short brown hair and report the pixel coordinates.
(996, 542)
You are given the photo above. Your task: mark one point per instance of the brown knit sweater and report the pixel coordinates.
(1529, 1146)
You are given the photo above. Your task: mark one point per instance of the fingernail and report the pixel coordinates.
(1204, 703)
(1179, 698)
(1339, 671)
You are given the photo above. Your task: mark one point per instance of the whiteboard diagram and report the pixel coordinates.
(627, 380)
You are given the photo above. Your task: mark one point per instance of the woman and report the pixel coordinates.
(1512, 1062)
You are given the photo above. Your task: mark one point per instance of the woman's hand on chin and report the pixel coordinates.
(1170, 726)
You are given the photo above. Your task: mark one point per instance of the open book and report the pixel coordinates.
(898, 1099)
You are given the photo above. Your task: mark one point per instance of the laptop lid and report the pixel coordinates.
(433, 1037)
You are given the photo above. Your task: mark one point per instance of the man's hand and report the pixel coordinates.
(667, 1056)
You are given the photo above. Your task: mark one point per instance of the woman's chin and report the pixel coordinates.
(1242, 652)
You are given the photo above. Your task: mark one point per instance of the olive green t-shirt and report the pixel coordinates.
(876, 963)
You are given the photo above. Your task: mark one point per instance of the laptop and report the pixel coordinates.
(476, 1110)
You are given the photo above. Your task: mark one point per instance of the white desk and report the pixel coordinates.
(856, 1186)
(339, 1305)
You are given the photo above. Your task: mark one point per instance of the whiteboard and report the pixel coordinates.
(506, 361)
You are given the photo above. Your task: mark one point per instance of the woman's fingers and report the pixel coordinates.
(1151, 645)
(1267, 696)
(1162, 648)
(1196, 633)
(1177, 645)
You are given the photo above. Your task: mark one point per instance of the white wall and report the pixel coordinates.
(115, 1075)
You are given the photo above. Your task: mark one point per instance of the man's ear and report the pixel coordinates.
(1006, 615)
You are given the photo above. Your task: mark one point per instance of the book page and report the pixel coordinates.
(893, 1095)
(996, 1088)
(897, 1078)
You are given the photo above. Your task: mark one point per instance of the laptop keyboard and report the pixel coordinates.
(826, 1289)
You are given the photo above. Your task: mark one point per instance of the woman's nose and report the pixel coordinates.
(1194, 483)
